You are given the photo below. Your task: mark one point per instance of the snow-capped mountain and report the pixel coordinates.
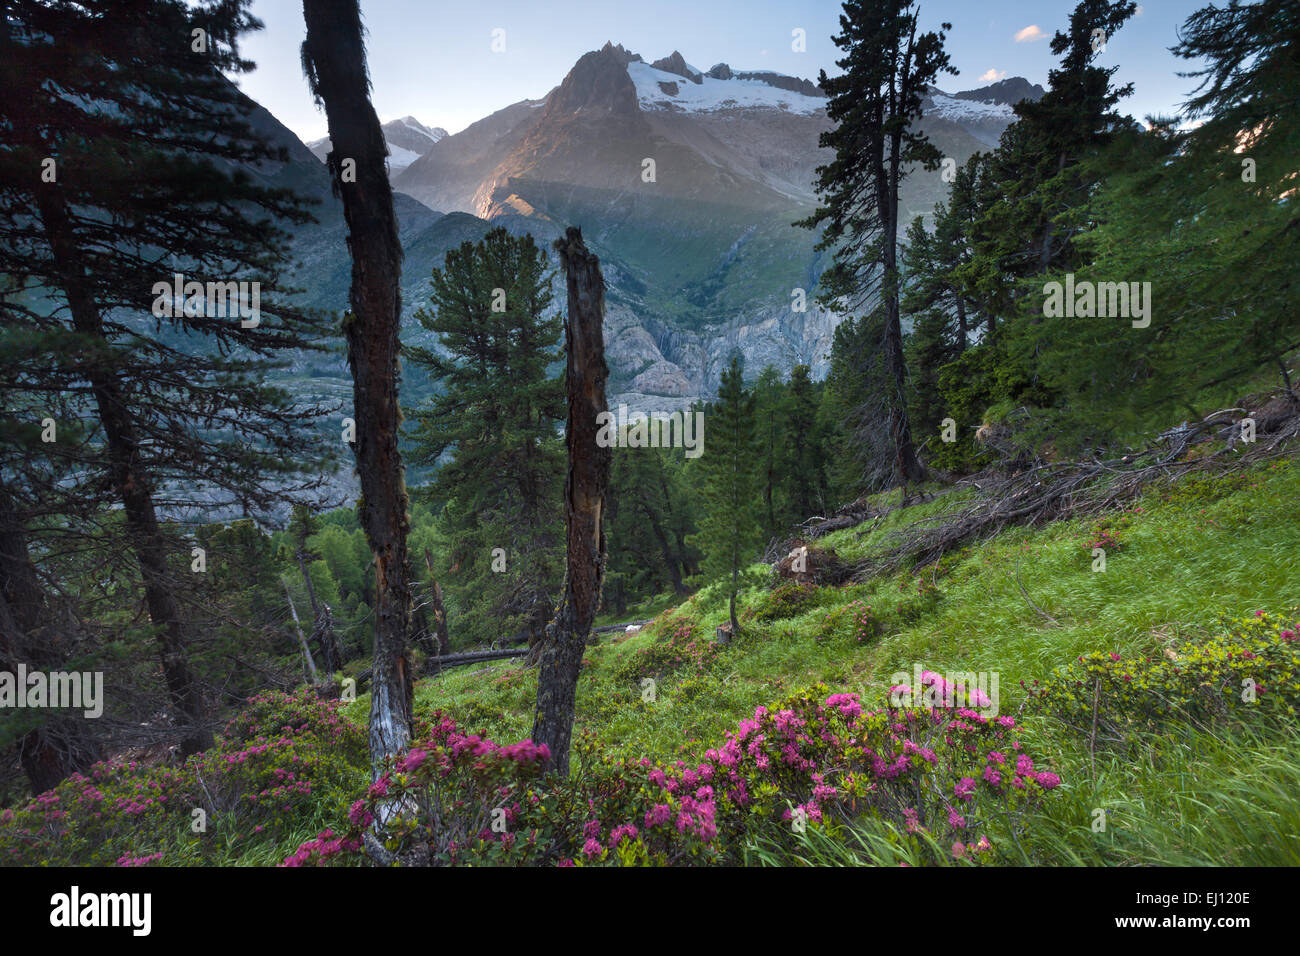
(408, 139)
(686, 182)
(719, 89)
(984, 113)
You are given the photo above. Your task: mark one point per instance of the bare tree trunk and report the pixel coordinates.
(306, 651)
(439, 612)
(306, 579)
(334, 59)
(584, 501)
(129, 480)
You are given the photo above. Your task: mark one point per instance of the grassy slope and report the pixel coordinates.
(1189, 557)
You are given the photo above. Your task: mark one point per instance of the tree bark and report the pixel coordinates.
(907, 467)
(334, 59)
(585, 488)
(129, 479)
(439, 612)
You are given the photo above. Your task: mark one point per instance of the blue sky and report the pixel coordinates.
(434, 61)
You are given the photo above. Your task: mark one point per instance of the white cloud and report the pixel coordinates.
(1029, 34)
(992, 76)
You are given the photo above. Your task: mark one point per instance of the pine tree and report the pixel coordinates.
(770, 432)
(175, 390)
(731, 530)
(874, 104)
(646, 549)
(496, 418)
(802, 467)
(1201, 214)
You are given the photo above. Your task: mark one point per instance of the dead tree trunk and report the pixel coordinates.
(584, 501)
(334, 60)
(306, 651)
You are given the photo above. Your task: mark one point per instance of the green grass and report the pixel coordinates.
(1204, 550)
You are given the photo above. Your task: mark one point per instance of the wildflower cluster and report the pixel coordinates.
(282, 761)
(940, 777)
(677, 649)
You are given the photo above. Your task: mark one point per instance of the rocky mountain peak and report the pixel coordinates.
(1006, 92)
(676, 63)
(598, 82)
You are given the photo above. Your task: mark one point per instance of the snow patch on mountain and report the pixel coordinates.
(435, 135)
(660, 90)
(399, 158)
(951, 108)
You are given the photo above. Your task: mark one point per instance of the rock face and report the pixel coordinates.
(676, 63)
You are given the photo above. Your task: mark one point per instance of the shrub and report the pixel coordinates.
(935, 777)
(785, 601)
(1252, 668)
(282, 761)
(855, 621)
(678, 649)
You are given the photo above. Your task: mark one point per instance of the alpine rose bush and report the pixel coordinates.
(940, 777)
(279, 763)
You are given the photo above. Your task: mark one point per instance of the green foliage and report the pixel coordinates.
(785, 600)
(493, 431)
(730, 531)
(286, 764)
(1250, 671)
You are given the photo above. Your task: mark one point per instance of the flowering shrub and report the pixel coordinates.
(1253, 667)
(1108, 532)
(939, 777)
(679, 649)
(283, 760)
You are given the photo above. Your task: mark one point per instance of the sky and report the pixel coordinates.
(435, 60)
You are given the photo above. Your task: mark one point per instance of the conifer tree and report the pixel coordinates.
(803, 466)
(875, 103)
(496, 420)
(731, 529)
(174, 385)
